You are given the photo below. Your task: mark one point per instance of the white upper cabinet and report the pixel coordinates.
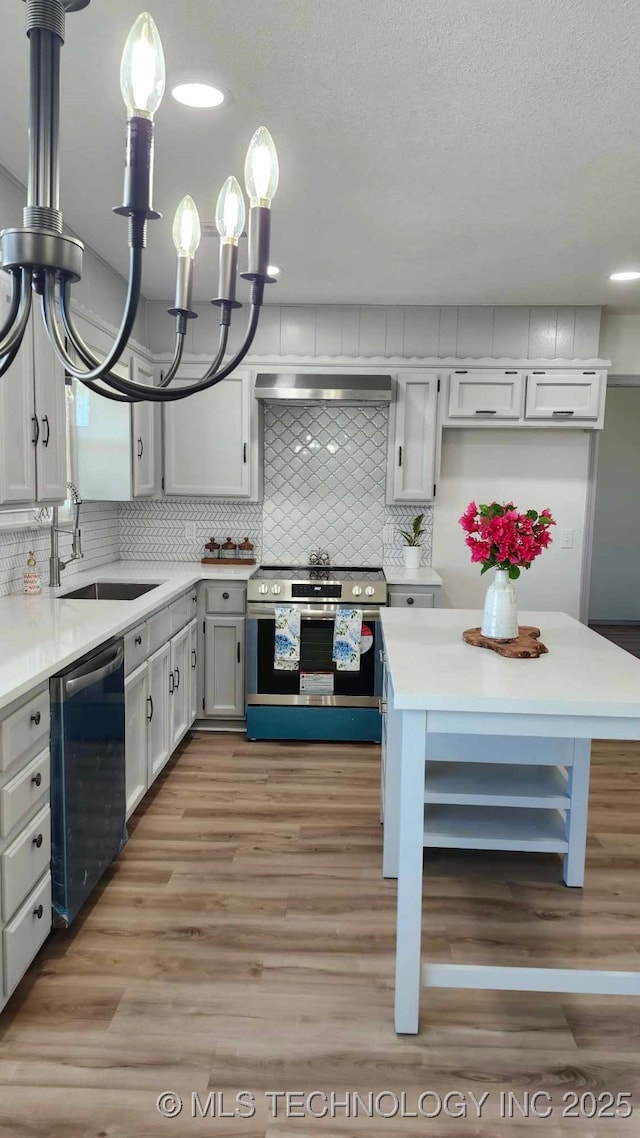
(33, 444)
(413, 429)
(486, 395)
(210, 439)
(114, 442)
(565, 395)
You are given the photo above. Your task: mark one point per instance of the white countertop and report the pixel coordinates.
(433, 669)
(40, 635)
(398, 575)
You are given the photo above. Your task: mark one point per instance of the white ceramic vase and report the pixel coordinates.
(500, 616)
(411, 555)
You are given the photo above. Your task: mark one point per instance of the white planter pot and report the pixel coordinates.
(500, 616)
(411, 555)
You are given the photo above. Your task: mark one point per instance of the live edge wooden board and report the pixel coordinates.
(525, 646)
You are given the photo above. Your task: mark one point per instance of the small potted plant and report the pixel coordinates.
(412, 550)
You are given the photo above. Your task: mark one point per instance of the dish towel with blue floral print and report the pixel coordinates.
(347, 633)
(287, 641)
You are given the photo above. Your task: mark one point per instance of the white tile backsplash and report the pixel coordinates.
(99, 523)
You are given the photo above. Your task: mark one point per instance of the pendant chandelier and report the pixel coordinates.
(40, 258)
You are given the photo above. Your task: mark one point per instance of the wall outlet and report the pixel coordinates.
(566, 539)
(190, 531)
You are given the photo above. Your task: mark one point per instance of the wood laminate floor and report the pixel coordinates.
(244, 941)
(626, 634)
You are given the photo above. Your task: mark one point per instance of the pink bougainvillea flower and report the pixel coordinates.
(500, 535)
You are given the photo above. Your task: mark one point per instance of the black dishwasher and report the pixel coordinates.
(88, 797)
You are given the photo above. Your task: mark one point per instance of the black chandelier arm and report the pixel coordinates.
(6, 361)
(178, 352)
(17, 285)
(57, 340)
(14, 337)
(81, 347)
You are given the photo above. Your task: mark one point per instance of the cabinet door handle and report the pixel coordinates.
(36, 430)
(38, 913)
(37, 779)
(37, 841)
(178, 679)
(140, 448)
(399, 456)
(172, 683)
(244, 452)
(45, 441)
(138, 640)
(194, 658)
(562, 412)
(150, 715)
(35, 719)
(225, 596)
(238, 651)
(486, 412)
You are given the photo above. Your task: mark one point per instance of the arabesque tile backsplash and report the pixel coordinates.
(324, 486)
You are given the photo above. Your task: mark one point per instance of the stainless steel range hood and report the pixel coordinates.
(300, 388)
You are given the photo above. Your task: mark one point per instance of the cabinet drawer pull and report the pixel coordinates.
(194, 658)
(562, 412)
(140, 448)
(45, 441)
(486, 412)
(35, 718)
(37, 779)
(36, 430)
(39, 912)
(178, 679)
(37, 841)
(225, 596)
(138, 640)
(150, 715)
(410, 600)
(172, 683)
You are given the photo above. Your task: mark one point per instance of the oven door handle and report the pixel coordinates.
(268, 612)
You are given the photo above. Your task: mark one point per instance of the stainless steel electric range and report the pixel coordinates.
(316, 700)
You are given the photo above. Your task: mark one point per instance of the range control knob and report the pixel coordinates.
(369, 591)
(263, 589)
(276, 589)
(356, 590)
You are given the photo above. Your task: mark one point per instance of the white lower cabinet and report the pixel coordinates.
(224, 666)
(25, 934)
(158, 715)
(136, 690)
(180, 685)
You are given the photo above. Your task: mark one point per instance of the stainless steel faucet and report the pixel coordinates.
(56, 564)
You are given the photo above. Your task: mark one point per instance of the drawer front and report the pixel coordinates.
(406, 598)
(22, 792)
(180, 613)
(136, 647)
(24, 861)
(489, 396)
(159, 630)
(225, 598)
(25, 934)
(25, 730)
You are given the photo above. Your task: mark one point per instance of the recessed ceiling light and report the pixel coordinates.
(626, 275)
(198, 95)
(274, 270)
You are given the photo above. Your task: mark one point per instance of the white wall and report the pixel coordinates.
(620, 341)
(532, 469)
(101, 289)
(615, 567)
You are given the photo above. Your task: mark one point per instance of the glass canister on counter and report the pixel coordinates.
(245, 550)
(228, 549)
(213, 547)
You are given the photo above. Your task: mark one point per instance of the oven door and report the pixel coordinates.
(317, 682)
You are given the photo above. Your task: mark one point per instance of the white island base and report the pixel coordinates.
(482, 753)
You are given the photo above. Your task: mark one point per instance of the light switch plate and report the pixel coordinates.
(190, 531)
(566, 539)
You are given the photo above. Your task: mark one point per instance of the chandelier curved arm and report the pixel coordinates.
(53, 330)
(213, 367)
(18, 324)
(6, 361)
(17, 285)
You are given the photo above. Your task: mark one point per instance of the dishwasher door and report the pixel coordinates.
(88, 797)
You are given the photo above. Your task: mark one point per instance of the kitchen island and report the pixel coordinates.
(483, 752)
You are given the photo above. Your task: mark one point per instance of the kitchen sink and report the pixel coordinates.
(110, 591)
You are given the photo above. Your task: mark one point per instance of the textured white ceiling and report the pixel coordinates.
(431, 151)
